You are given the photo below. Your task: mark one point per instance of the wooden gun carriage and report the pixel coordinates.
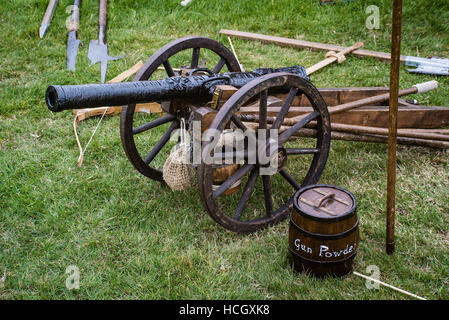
(216, 103)
(224, 99)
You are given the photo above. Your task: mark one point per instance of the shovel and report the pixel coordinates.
(98, 49)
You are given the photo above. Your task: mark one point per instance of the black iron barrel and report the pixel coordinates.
(61, 98)
(195, 88)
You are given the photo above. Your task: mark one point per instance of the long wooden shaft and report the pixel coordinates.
(337, 135)
(75, 18)
(418, 88)
(356, 104)
(369, 101)
(301, 44)
(382, 131)
(393, 123)
(437, 135)
(102, 21)
(49, 12)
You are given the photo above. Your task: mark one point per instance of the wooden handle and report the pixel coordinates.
(75, 18)
(325, 199)
(103, 12)
(50, 11)
(102, 21)
(426, 86)
(369, 101)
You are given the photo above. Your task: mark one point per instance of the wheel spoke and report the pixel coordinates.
(263, 110)
(267, 195)
(246, 193)
(238, 123)
(219, 66)
(161, 143)
(232, 179)
(284, 109)
(290, 179)
(168, 69)
(284, 136)
(153, 124)
(297, 151)
(195, 58)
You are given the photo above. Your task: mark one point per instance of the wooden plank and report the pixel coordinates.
(420, 117)
(301, 44)
(337, 96)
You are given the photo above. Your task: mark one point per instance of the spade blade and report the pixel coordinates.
(72, 50)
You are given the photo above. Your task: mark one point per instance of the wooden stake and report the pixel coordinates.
(393, 123)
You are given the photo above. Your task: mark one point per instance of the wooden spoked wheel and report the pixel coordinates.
(145, 137)
(266, 201)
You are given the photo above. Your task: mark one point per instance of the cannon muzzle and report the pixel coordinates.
(61, 98)
(192, 88)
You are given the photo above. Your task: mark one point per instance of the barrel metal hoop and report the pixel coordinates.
(324, 262)
(325, 236)
(347, 215)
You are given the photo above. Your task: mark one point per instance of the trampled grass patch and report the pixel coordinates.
(133, 238)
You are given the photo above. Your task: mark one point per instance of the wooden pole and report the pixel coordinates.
(301, 44)
(381, 131)
(393, 123)
(341, 135)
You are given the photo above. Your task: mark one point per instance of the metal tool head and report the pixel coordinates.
(434, 65)
(72, 50)
(98, 52)
(43, 30)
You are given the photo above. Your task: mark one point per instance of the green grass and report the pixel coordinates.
(132, 238)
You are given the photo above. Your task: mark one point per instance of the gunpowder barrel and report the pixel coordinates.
(324, 231)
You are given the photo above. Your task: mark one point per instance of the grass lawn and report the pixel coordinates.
(130, 237)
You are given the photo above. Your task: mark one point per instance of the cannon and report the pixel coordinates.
(199, 79)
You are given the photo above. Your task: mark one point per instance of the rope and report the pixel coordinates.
(389, 286)
(82, 151)
(340, 57)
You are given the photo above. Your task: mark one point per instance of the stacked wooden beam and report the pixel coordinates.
(361, 114)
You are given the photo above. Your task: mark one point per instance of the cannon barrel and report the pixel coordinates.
(191, 88)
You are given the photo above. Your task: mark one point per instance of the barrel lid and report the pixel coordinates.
(325, 202)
